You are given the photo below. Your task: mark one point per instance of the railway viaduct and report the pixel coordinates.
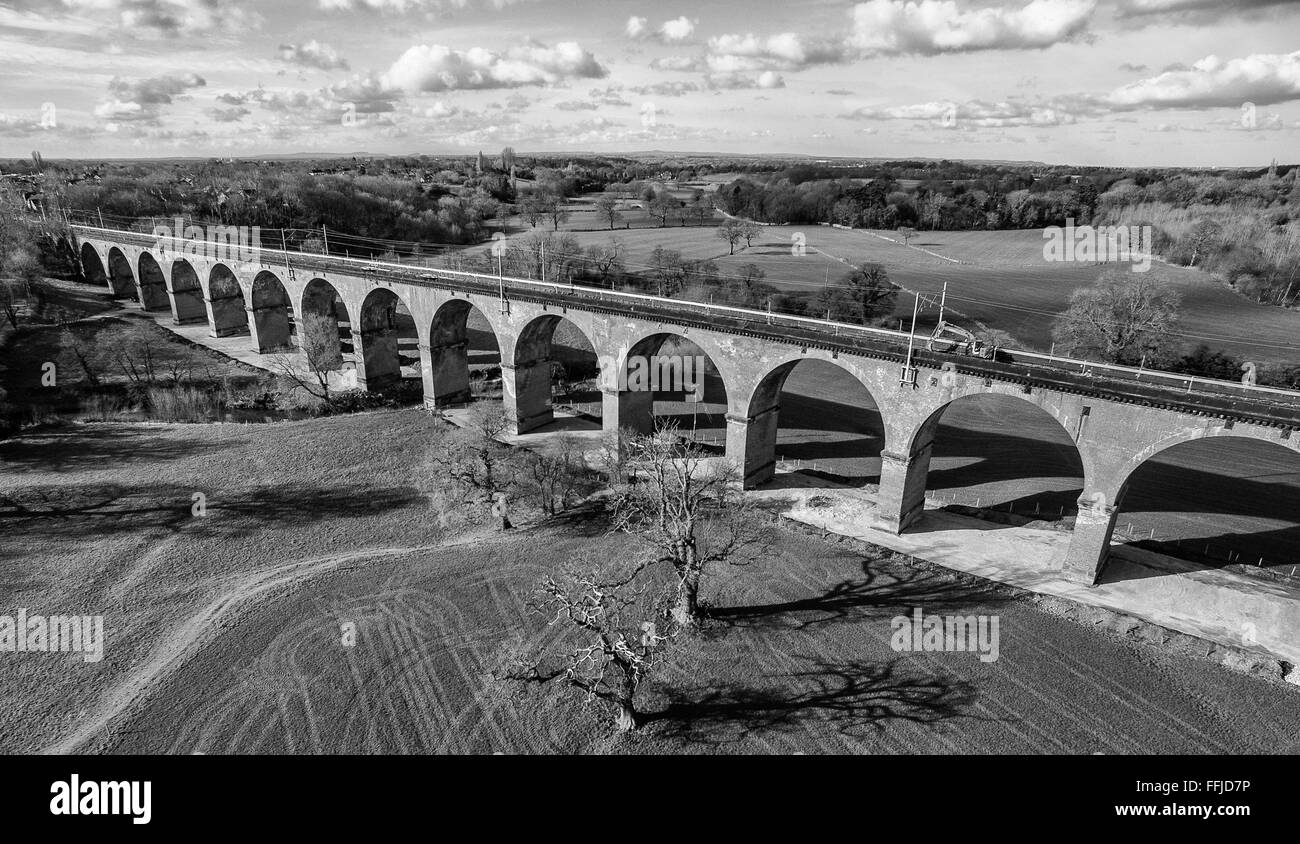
(1116, 417)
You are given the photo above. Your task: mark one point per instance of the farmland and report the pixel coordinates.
(996, 279)
(223, 631)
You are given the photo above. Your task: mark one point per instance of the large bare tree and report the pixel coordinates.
(688, 508)
(618, 632)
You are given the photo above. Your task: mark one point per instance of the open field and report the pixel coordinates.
(997, 279)
(223, 631)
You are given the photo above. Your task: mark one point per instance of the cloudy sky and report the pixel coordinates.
(1128, 82)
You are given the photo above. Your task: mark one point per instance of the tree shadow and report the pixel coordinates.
(96, 445)
(855, 698)
(855, 600)
(104, 509)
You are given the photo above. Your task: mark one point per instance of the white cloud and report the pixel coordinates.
(767, 79)
(1205, 9)
(786, 51)
(313, 54)
(143, 99)
(975, 113)
(1262, 79)
(433, 67)
(675, 31)
(401, 7)
(184, 17)
(928, 27)
(683, 64)
(678, 29)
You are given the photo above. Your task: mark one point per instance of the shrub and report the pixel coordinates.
(103, 407)
(183, 404)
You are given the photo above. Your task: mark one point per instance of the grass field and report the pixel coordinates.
(223, 631)
(996, 279)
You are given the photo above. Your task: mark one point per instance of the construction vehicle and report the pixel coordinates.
(953, 339)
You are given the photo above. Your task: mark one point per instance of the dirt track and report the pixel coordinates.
(799, 661)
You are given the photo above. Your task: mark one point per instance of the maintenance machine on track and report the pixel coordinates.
(953, 339)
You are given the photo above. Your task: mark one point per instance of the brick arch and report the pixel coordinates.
(1090, 547)
(1258, 433)
(185, 287)
(446, 370)
(122, 275)
(379, 327)
(226, 302)
(94, 267)
(635, 408)
(527, 369)
(904, 471)
(272, 322)
(753, 415)
(321, 335)
(152, 282)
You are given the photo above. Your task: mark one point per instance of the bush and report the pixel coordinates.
(183, 404)
(103, 407)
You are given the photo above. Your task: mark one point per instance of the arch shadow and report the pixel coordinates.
(667, 379)
(273, 325)
(389, 341)
(816, 417)
(121, 276)
(153, 285)
(464, 355)
(552, 352)
(326, 327)
(1216, 502)
(226, 301)
(92, 268)
(187, 294)
(1002, 458)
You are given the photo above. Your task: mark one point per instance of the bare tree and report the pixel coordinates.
(556, 211)
(533, 207)
(555, 475)
(137, 357)
(661, 206)
(607, 208)
(730, 232)
(701, 209)
(315, 383)
(692, 513)
(84, 359)
(1202, 237)
(483, 469)
(606, 259)
(748, 230)
(621, 629)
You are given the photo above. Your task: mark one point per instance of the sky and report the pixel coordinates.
(1086, 82)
